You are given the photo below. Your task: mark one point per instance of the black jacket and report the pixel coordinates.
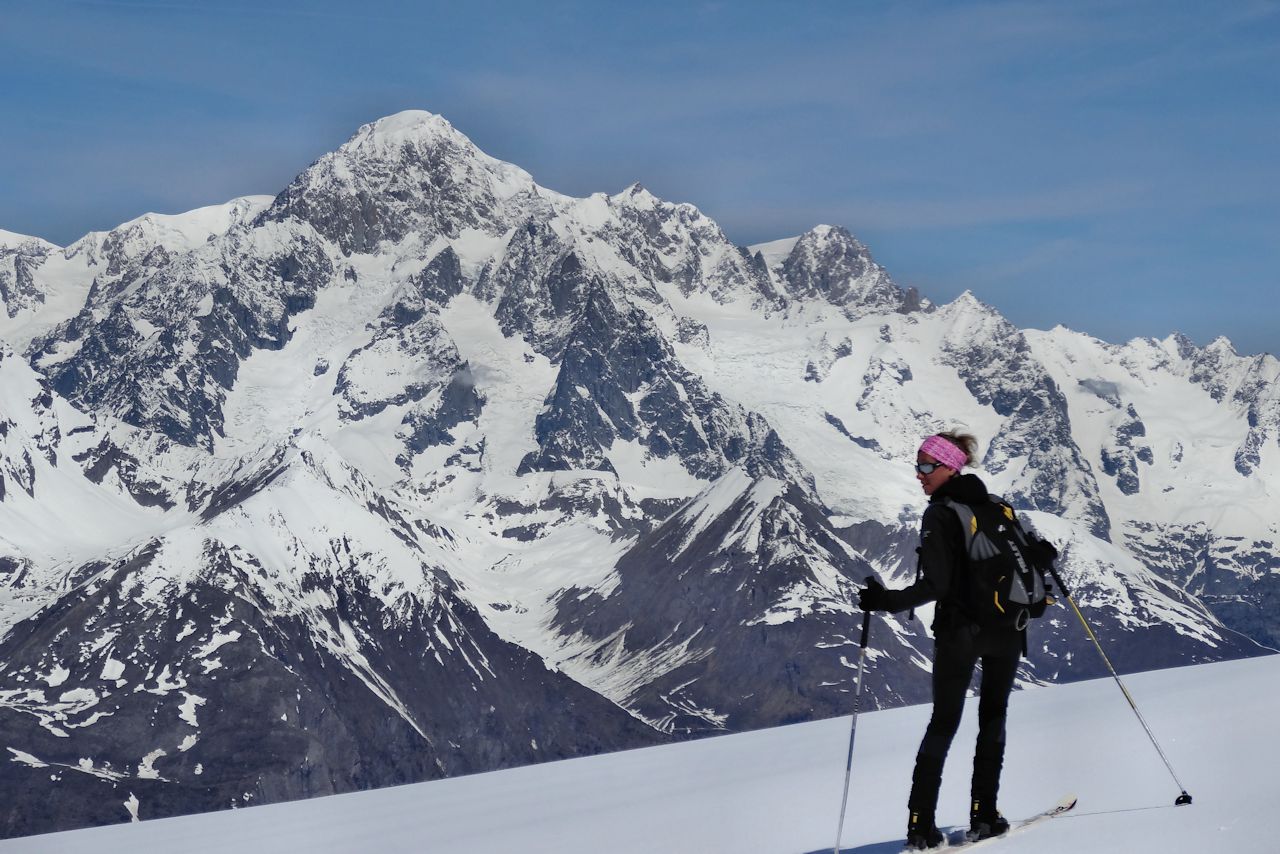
(943, 558)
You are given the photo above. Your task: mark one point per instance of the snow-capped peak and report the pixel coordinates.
(408, 175)
(1222, 345)
(828, 262)
(636, 196)
(174, 232)
(968, 309)
(823, 234)
(24, 242)
(417, 135)
(409, 124)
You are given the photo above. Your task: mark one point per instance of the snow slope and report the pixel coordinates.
(778, 790)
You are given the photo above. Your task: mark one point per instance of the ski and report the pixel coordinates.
(961, 840)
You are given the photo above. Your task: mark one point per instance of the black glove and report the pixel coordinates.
(873, 597)
(1043, 552)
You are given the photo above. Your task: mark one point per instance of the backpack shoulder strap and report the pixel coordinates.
(968, 521)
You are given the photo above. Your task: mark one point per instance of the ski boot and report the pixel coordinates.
(922, 833)
(985, 821)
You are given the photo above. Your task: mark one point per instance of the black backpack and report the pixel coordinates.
(1005, 583)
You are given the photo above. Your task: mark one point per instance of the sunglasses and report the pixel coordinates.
(927, 468)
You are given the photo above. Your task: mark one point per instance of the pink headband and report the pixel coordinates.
(944, 452)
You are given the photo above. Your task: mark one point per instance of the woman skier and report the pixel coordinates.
(959, 644)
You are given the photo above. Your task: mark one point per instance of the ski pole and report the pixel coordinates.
(853, 726)
(1183, 798)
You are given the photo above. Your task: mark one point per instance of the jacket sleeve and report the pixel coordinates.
(939, 530)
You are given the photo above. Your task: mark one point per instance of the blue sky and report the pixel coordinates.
(1111, 166)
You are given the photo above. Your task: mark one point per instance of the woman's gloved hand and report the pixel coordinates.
(873, 597)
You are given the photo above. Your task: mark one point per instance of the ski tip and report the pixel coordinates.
(1067, 803)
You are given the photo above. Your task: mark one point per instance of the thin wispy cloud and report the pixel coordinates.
(1036, 260)
(1065, 202)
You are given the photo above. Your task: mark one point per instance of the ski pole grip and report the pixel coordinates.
(866, 624)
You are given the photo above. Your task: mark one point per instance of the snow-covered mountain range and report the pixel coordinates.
(419, 468)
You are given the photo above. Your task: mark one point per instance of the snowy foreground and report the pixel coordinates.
(778, 790)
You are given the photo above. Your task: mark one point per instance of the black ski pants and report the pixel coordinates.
(955, 655)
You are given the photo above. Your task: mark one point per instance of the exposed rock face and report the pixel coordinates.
(620, 381)
(407, 174)
(215, 696)
(1233, 576)
(736, 613)
(20, 257)
(542, 285)
(1120, 459)
(163, 354)
(1249, 385)
(441, 280)
(831, 264)
(1000, 371)
(234, 677)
